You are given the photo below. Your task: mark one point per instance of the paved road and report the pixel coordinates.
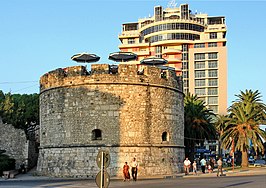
(258, 181)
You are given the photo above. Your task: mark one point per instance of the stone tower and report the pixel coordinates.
(130, 110)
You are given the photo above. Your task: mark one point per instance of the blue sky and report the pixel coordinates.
(38, 36)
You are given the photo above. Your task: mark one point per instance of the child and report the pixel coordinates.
(194, 165)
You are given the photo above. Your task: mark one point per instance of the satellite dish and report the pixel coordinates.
(85, 58)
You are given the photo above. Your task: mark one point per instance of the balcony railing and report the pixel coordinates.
(171, 51)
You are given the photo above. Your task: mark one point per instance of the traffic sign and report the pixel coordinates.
(105, 180)
(106, 158)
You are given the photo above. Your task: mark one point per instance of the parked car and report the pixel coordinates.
(259, 162)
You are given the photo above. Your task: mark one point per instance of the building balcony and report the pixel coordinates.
(171, 51)
(133, 45)
(173, 60)
(140, 53)
(129, 34)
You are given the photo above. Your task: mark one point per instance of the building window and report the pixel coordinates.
(212, 44)
(199, 56)
(224, 34)
(213, 82)
(184, 56)
(200, 74)
(174, 36)
(131, 41)
(96, 134)
(212, 91)
(212, 73)
(200, 91)
(214, 109)
(185, 65)
(165, 137)
(199, 45)
(185, 74)
(213, 55)
(212, 64)
(199, 64)
(202, 99)
(213, 35)
(184, 47)
(199, 83)
(212, 100)
(185, 82)
(158, 51)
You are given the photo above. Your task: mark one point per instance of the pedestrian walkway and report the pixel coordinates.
(236, 172)
(69, 182)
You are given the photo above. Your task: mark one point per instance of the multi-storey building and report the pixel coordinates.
(194, 44)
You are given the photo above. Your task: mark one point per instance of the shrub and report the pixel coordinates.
(6, 163)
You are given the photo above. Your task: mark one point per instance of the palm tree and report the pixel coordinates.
(198, 123)
(246, 114)
(220, 124)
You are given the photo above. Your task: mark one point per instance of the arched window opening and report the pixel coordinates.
(165, 136)
(96, 134)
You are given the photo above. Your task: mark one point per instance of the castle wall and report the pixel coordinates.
(17, 146)
(132, 111)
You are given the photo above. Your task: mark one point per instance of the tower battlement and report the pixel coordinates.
(104, 73)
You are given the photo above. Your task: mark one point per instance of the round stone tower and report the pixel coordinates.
(129, 110)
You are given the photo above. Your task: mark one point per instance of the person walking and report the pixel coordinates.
(203, 165)
(126, 172)
(220, 166)
(194, 165)
(134, 169)
(187, 166)
(212, 164)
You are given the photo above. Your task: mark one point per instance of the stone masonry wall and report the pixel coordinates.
(17, 146)
(132, 111)
(14, 142)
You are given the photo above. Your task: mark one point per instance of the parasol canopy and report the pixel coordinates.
(85, 58)
(153, 61)
(122, 56)
(166, 68)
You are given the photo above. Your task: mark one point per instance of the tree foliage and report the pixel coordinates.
(6, 163)
(198, 123)
(245, 114)
(19, 110)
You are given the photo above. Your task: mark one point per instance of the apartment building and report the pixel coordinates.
(192, 43)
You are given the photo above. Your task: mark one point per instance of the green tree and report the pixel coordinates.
(2, 96)
(198, 123)
(221, 122)
(27, 110)
(7, 108)
(19, 110)
(246, 114)
(6, 163)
